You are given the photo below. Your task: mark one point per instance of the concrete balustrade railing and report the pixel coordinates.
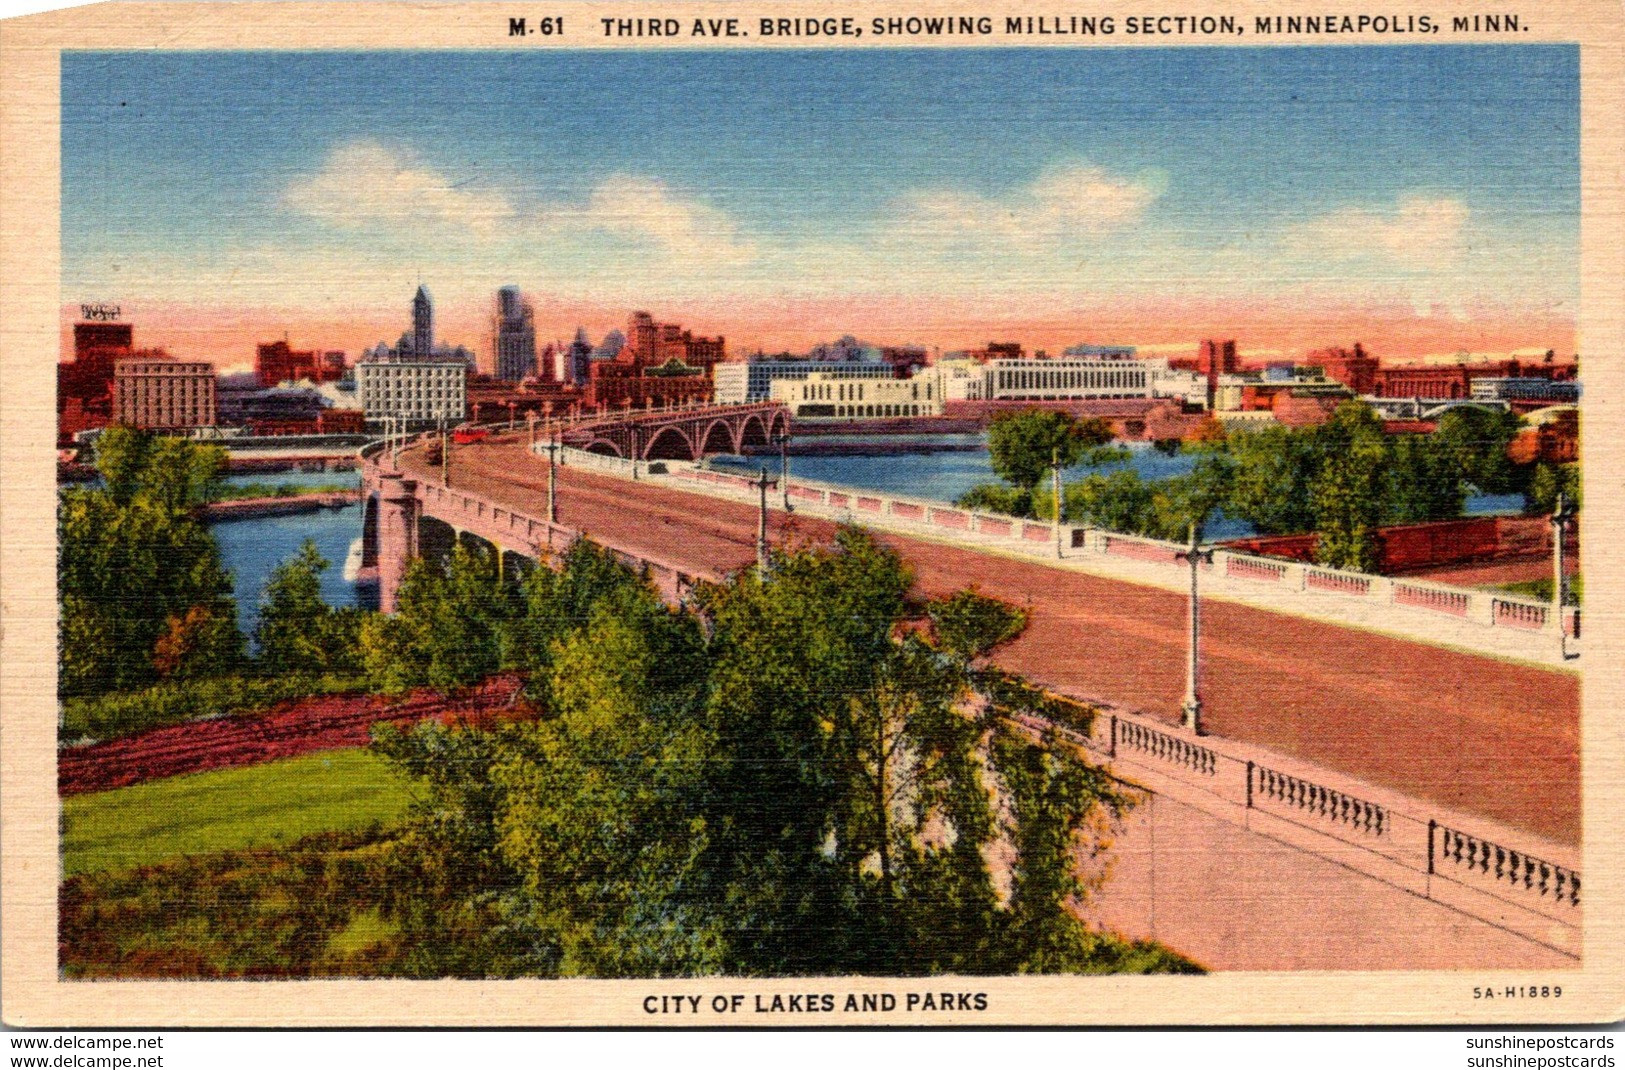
(1323, 584)
(1500, 876)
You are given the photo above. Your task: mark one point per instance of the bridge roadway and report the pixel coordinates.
(1472, 733)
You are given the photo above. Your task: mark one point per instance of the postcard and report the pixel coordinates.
(827, 514)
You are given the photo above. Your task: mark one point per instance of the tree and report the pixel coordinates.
(1547, 482)
(297, 631)
(1423, 481)
(134, 567)
(1120, 501)
(1347, 492)
(291, 632)
(121, 459)
(1024, 445)
(1477, 439)
(1272, 470)
(448, 628)
(603, 812)
(997, 498)
(1058, 806)
(783, 779)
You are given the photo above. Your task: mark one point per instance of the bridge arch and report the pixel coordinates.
(753, 432)
(369, 530)
(435, 540)
(779, 424)
(718, 438)
(669, 444)
(604, 448)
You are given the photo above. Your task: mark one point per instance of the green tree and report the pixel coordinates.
(1423, 482)
(121, 459)
(134, 567)
(1024, 445)
(292, 629)
(1058, 804)
(1120, 501)
(1477, 439)
(603, 815)
(448, 629)
(1347, 491)
(1547, 482)
(297, 631)
(997, 498)
(1272, 472)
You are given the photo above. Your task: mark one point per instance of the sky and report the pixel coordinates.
(1421, 199)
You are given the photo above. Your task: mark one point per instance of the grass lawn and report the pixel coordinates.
(226, 809)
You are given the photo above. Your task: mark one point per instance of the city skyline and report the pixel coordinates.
(1427, 202)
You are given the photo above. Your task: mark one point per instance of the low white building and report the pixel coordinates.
(1069, 379)
(828, 395)
(1188, 386)
(420, 391)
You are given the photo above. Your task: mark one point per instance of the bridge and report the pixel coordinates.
(680, 434)
(405, 515)
(1364, 801)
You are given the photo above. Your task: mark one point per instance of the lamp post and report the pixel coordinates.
(445, 455)
(1055, 485)
(1192, 708)
(784, 468)
(552, 481)
(1561, 515)
(634, 432)
(530, 428)
(510, 415)
(761, 484)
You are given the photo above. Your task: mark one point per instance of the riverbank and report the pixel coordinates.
(252, 508)
(77, 472)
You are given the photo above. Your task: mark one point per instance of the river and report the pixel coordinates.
(252, 548)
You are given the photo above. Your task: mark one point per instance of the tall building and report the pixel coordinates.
(515, 338)
(96, 347)
(418, 380)
(152, 389)
(578, 359)
(422, 323)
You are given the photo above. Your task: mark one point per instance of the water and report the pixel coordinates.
(944, 476)
(252, 548)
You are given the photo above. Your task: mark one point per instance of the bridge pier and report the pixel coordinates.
(397, 534)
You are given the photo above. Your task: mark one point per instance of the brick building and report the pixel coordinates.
(650, 344)
(1354, 368)
(152, 389)
(84, 385)
(277, 362)
(1452, 382)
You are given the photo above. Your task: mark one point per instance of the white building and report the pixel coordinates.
(421, 391)
(742, 381)
(1188, 386)
(1069, 379)
(830, 395)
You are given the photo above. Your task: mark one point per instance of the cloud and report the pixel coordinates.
(379, 191)
(1062, 202)
(367, 184)
(1418, 233)
(646, 209)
